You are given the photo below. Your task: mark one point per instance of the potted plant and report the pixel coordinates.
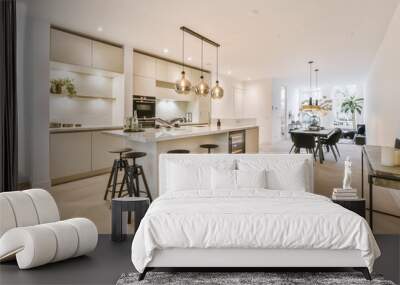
(56, 86)
(352, 105)
(69, 85)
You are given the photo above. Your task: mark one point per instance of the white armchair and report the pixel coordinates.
(31, 230)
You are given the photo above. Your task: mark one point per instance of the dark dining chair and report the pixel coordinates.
(397, 143)
(331, 142)
(303, 141)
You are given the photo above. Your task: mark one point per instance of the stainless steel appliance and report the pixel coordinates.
(145, 107)
(237, 142)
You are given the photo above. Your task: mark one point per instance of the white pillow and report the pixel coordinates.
(251, 178)
(183, 177)
(223, 179)
(292, 178)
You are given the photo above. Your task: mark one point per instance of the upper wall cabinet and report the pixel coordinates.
(108, 57)
(77, 50)
(69, 48)
(144, 65)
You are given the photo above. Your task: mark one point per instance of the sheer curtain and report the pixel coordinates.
(8, 97)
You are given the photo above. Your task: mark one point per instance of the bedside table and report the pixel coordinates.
(357, 206)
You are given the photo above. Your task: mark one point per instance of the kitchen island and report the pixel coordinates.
(157, 141)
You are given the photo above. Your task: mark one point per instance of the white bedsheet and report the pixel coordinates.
(250, 218)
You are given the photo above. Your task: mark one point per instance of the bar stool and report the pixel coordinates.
(119, 165)
(135, 170)
(209, 146)
(179, 151)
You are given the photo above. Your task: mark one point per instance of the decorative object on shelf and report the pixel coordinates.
(346, 192)
(56, 86)
(217, 91)
(219, 123)
(352, 105)
(202, 88)
(388, 156)
(69, 85)
(347, 174)
(183, 85)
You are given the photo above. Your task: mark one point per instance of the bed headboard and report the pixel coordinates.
(234, 159)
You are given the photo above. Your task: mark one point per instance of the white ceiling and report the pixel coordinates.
(259, 38)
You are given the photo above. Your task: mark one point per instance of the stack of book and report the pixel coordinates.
(344, 194)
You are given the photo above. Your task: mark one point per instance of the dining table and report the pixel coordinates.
(318, 135)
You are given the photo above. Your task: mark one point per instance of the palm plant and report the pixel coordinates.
(352, 105)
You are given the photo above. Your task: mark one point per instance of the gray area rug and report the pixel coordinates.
(229, 278)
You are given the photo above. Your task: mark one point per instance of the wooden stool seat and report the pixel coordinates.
(179, 151)
(209, 146)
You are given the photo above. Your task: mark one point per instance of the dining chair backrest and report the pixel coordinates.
(334, 136)
(397, 143)
(303, 140)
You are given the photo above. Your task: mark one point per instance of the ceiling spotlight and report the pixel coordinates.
(229, 72)
(189, 58)
(165, 50)
(99, 29)
(248, 78)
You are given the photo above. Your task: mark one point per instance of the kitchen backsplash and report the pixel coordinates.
(168, 110)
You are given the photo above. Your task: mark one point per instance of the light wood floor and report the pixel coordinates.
(84, 198)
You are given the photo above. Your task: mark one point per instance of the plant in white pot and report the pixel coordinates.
(351, 105)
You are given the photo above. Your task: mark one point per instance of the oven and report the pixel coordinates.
(145, 106)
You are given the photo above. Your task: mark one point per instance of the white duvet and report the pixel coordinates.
(250, 219)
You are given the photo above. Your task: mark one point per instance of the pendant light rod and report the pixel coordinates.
(202, 44)
(310, 63)
(217, 62)
(183, 50)
(316, 78)
(201, 37)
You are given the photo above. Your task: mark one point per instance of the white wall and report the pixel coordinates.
(382, 89)
(225, 107)
(258, 104)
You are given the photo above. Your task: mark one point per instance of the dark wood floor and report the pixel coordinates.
(110, 260)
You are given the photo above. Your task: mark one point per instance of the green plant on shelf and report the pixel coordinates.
(57, 85)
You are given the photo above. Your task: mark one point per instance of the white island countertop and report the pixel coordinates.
(163, 134)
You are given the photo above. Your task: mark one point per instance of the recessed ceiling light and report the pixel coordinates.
(254, 12)
(189, 58)
(100, 29)
(165, 50)
(229, 72)
(248, 78)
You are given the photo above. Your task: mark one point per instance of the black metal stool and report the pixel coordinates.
(134, 171)
(179, 151)
(119, 164)
(209, 146)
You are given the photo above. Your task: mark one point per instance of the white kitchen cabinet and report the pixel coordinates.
(144, 65)
(107, 57)
(70, 154)
(252, 140)
(70, 48)
(144, 86)
(161, 70)
(174, 72)
(101, 145)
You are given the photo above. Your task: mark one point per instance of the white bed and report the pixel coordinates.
(202, 220)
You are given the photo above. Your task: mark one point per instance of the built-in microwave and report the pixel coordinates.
(145, 106)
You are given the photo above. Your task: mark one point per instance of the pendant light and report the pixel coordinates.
(316, 86)
(310, 99)
(202, 88)
(183, 85)
(217, 92)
